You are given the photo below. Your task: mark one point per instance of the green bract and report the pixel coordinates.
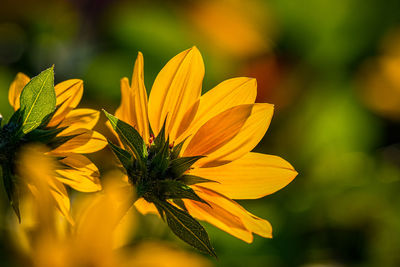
(158, 173)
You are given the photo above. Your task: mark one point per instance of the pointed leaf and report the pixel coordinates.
(58, 141)
(38, 100)
(44, 135)
(129, 136)
(160, 139)
(180, 165)
(192, 179)
(171, 189)
(177, 150)
(123, 156)
(187, 228)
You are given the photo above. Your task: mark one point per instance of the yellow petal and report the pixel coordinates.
(86, 141)
(16, 88)
(230, 93)
(219, 217)
(133, 107)
(61, 198)
(252, 223)
(80, 118)
(231, 134)
(83, 174)
(175, 90)
(218, 131)
(140, 117)
(69, 94)
(252, 176)
(123, 111)
(145, 207)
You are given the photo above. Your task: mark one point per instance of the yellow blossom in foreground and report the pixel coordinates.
(76, 137)
(90, 242)
(222, 126)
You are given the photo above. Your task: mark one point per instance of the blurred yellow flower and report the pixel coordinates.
(379, 79)
(90, 242)
(217, 130)
(74, 136)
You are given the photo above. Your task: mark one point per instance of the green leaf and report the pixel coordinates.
(129, 136)
(180, 204)
(38, 100)
(160, 139)
(186, 227)
(180, 165)
(11, 189)
(176, 150)
(123, 156)
(171, 189)
(192, 179)
(159, 163)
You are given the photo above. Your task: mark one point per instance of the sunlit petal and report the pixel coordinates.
(252, 176)
(175, 90)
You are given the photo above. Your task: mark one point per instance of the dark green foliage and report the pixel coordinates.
(128, 135)
(192, 179)
(186, 227)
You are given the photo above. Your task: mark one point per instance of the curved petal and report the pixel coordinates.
(60, 195)
(133, 107)
(252, 176)
(86, 141)
(16, 88)
(175, 90)
(145, 207)
(227, 94)
(221, 206)
(69, 94)
(123, 111)
(80, 118)
(139, 114)
(230, 135)
(82, 175)
(219, 217)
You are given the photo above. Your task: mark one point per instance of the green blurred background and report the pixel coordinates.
(331, 67)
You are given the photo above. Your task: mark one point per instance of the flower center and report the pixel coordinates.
(162, 174)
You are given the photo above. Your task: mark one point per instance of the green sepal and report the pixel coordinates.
(11, 190)
(159, 163)
(38, 100)
(123, 156)
(159, 141)
(178, 166)
(129, 136)
(60, 140)
(15, 121)
(171, 189)
(44, 135)
(180, 204)
(189, 179)
(186, 227)
(176, 150)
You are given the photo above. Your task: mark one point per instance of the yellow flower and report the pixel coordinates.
(217, 130)
(74, 137)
